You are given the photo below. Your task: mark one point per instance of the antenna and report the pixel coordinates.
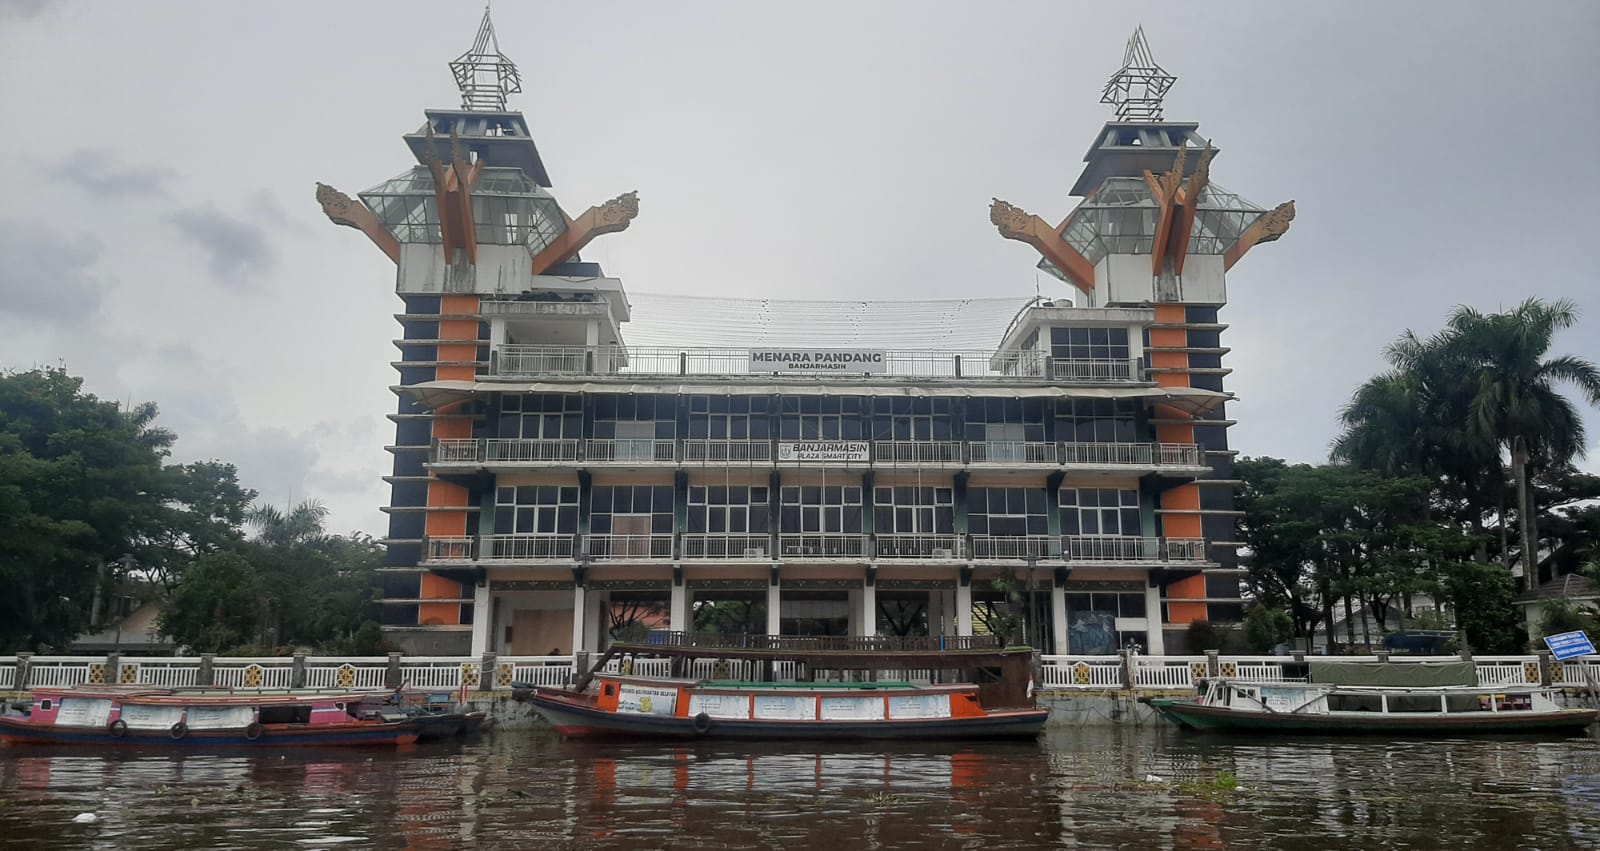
(483, 74)
(1139, 85)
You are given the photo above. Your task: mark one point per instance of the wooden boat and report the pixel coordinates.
(1365, 698)
(102, 715)
(994, 702)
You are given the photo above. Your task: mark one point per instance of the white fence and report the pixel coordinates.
(1181, 672)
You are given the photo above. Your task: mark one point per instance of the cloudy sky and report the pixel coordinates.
(162, 239)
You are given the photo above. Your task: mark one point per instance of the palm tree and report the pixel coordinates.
(301, 524)
(1516, 399)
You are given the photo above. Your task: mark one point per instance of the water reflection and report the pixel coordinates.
(1089, 788)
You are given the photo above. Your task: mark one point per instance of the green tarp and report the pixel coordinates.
(1417, 674)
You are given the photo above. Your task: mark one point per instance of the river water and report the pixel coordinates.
(1088, 788)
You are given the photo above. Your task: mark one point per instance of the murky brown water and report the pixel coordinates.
(1150, 788)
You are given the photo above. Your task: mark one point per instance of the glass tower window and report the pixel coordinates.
(1099, 511)
(821, 418)
(536, 509)
(820, 509)
(913, 511)
(733, 509)
(548, 417)
(1007, 511)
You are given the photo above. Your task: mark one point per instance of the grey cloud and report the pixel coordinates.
(236, 250)
(24, 9)
(104, 175)
(265, 207)
(45, 274)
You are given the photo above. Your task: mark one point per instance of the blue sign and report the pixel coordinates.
(1569, 645)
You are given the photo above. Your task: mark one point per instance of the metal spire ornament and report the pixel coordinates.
(1138, 86)
(483, 74)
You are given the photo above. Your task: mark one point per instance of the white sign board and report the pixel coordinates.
(720, 705)
(147, 717)
(825, 450)
(83, 712)
(1569, 645)
(818, 361)
(1280, 699)
(852, 709)
(639, 700)
(920, 706)
(220, 717)
(785, 708)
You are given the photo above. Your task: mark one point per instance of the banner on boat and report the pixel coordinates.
(150, 717)
(818, 361)
(920, 706)
(1569, 645)
(83, 712)
(640, 700)
(824, 450)
(785, 708)
(720, 705)
(852, 709)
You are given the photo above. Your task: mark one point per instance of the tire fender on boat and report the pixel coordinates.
(252, 731)
(118, 728)
(178, 730)
(702, 723)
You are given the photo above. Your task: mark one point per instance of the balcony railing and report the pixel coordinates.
(916, 452)
(1014, 547)
(458, 548)
(942, 547)
(727, 451)
(1004, 452)
(1132, 549)
(1180, 455)
(713, 545)
(523, 361)
(624, 450)
(627, 547)
(537, 547)
(821, 545)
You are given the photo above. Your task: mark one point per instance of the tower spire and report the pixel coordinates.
(483, 74)
(1139, 85)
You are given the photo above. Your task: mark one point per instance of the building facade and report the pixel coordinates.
(554, 485)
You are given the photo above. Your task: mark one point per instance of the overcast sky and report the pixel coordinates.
(161, 238)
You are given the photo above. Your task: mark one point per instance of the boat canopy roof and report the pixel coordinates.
(1412, 674)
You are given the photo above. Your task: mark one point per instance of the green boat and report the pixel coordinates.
(1421, 698)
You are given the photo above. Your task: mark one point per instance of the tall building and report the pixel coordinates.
(804, 467)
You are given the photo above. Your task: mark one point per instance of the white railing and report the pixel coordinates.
(370, 672)
(448, 548)
(727, 451)
(821, 545)
(1132, 549)
(8, 673)
(527, 450)
(1165, 671)
(725, 669)
(525, 361)
(525, 547)
(638, 667)
(634, 450)
(1098, 672)
(1180, 455)
(916, 452)
(1095, 369)
(1184, 549)
(456, 450)
(917, 546)
(1014, 547)
(166, 673)
(1005, 452)
(63, 671)
(711, 545)
(550, 671)
(266, 672)
(626, 547)
(1108, 454)
(435, 672)
(1504, 670)
(1572, 673)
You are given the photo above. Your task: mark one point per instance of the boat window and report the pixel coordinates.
(285, 714)
(1355, 703)
(1414, 703)
(1465, 703)
(45, 704)
(610, 690)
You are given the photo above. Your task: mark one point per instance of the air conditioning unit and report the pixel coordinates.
(755, 552)
(944, 553)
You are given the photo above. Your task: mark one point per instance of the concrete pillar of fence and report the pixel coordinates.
(24, 664)
(486, 672)
(206, 675)
(580, 662)
(297, 671)
(1128, 678)
(391, 676)
(1466, 650)
(1544, 667)
(1213, 665)
(113, 668)
(1383, 656)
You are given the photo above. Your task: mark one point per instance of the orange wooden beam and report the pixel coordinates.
(611, 217)
(1015, 223)
(1268, 228)
(343, 210)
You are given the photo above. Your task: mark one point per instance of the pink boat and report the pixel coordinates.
(102, 715)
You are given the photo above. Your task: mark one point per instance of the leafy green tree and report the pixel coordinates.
(319, 588)
(1481, 595)
(1265, 628)
(217, 606)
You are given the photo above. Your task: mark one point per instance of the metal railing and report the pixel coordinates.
(917, 452)
(626, 547)
(1014, 547)
(550, 671)
(534, 547)
(727, 451)
(941, 547)
(639, 450)
(449, 548)
(720, 546)
(821, 545)
(1132, 454)
(1014, 452)
(526, 361)
(1132, 549)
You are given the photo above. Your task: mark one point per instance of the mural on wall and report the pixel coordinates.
(1092, 633)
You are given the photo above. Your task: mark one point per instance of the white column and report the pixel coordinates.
(1058, 618)
(497, 332)
(1155, 641)
(580, 611)
(592, 333)
(869, 610)
(963, 610)
(482, 619)
(678, 618)
(774, 609)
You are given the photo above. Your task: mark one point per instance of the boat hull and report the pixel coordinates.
(1194, 716)
(19, 731)
(577, 721)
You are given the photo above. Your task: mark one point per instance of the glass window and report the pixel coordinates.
(1099, 511)
(1006, 512)
(820, 509)
(913, 510)
(536, 509)
(608, 504)
(1096, 421)
(730, 510)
